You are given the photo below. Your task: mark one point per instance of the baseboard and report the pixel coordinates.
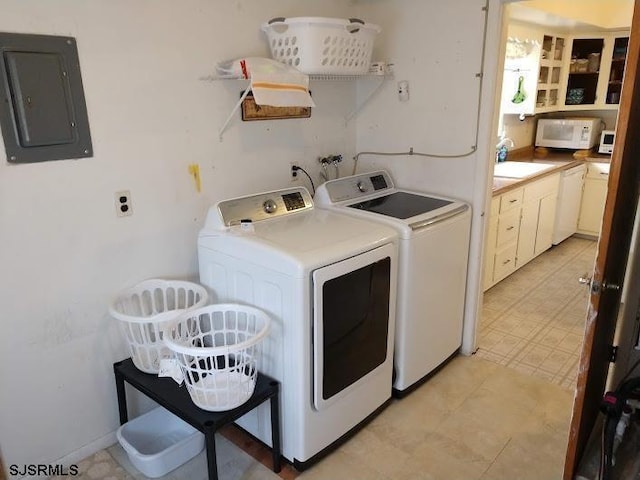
(86, 451)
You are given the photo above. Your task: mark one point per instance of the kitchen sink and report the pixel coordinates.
(519, 169)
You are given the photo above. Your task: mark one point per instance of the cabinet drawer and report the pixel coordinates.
(505, 262)
(598, 171)
(508, 226)
(511, 200)
(541, 188)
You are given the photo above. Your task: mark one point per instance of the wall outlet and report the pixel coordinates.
(123, 203)
(294, 172)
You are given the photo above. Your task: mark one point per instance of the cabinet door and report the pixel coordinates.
(592, 206)
(527, 236)
(490, 252)
(616, 71)
(546, 218)
(505, 262)
(550, 74)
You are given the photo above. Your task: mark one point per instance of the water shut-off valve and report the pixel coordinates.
(330, 160)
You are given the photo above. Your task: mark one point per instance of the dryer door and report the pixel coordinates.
(352, 322)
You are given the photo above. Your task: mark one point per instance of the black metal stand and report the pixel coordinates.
(176, 399)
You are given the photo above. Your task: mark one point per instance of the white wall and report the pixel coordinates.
(522, 132)
(437, 46)
(64, 252)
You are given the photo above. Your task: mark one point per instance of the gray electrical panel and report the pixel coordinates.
(43, 114)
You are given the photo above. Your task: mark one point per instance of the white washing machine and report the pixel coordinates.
(328, 281)
(434, 249)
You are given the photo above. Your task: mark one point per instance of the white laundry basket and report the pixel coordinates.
(218, 348)
(319, 45)
(143, 310)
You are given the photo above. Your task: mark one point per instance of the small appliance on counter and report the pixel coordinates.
(578, 133)
(607, 139)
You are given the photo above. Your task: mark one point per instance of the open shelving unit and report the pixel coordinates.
(323, 77)
(584, 71)
(616, 74)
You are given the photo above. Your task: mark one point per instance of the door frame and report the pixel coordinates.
(611, 259)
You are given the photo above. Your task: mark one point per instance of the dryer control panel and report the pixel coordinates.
(263, 206)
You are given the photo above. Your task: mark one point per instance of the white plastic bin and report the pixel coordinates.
(145, 308)
(217, 348)
(158, 442)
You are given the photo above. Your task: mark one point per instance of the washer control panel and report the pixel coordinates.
(358, 186)
(263, 206)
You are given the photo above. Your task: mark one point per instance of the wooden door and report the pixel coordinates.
(613, 248)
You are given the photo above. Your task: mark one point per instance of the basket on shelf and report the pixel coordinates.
(143, 311)
(319, 45)
(218, 348)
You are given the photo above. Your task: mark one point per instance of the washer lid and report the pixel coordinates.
(402, 205)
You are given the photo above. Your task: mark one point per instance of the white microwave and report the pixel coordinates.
(573, 133)
(607, 139)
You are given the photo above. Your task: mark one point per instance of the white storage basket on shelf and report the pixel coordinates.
(143, 311)
(217, 348)
(318, 45)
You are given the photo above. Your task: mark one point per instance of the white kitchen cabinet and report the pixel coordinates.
(594, 71)
(502, 237)
(490, 248)
(538, 216)
(554, 72)
(594, 196)
(569, 198)
(528, 228)
(533, 71)
(616, 71)
(550, 73)
(520, 227)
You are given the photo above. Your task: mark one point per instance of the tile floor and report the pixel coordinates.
(474, 420)
(502, 414)
(533, 321)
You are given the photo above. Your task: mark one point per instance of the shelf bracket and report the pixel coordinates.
(235, 109)
(353, 113)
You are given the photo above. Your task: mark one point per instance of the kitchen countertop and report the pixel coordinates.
(562, 161)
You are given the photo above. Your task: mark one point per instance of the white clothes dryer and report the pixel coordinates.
(328, 281)
(434, 248)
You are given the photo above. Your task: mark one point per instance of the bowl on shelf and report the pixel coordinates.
(575, 96)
